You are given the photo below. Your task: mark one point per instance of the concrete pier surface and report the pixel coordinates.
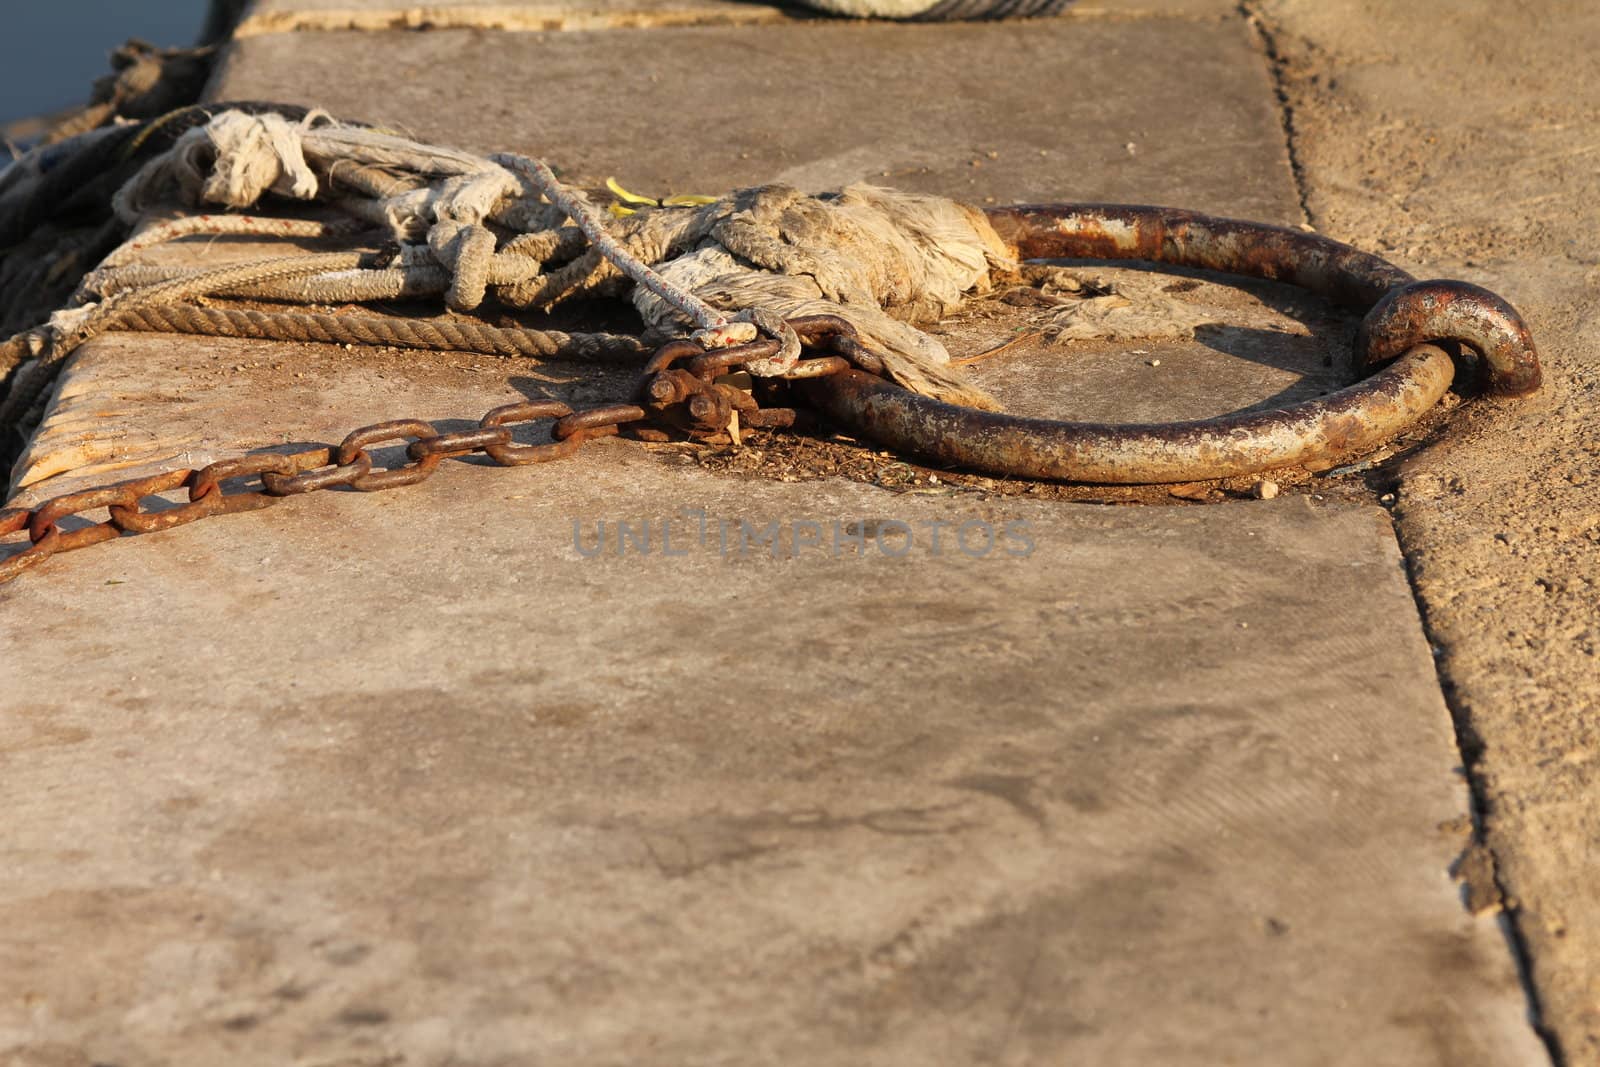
(453, 774)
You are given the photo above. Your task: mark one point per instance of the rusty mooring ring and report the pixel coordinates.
(1405, 319)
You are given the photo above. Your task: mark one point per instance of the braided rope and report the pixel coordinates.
(441, 335)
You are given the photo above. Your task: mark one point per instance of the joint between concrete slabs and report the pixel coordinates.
(1469, 748)
(1273, 61)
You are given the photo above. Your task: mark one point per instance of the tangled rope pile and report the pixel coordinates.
(469, 229)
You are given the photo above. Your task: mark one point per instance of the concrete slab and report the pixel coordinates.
(409, 774)
(1045, 110)
(1270, 345)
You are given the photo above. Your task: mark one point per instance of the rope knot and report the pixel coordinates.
(773, 325)
(725, 335)
(745, 327)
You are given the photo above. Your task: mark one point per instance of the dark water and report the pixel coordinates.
(52, 50)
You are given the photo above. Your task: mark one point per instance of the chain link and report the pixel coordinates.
(698, 399)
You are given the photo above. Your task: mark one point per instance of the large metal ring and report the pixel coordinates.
(1405, 322)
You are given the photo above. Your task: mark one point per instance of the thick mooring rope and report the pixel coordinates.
(439, 335)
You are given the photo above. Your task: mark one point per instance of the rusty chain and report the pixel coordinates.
(690, 399)
(690, 391)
